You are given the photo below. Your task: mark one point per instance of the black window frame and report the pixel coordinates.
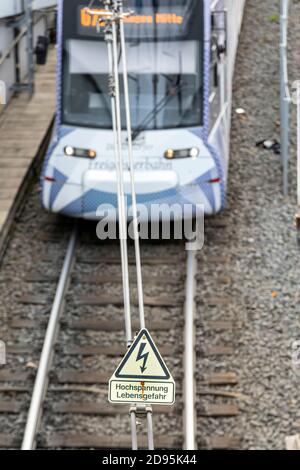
(70, 31)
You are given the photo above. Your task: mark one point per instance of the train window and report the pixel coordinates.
(218, 49)
(165, 67)
(214, 98)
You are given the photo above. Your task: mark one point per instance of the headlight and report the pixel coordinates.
(69, 151)
(81, 153)
(183, 153)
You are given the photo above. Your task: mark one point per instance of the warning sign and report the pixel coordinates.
(142, 376)
(143, 361)
(159, 393)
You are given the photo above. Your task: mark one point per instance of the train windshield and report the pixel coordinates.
(165, 67)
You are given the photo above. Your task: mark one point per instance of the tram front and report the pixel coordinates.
(166, 57)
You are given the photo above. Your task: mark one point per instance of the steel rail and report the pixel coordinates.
(189, 388)
(41, 381)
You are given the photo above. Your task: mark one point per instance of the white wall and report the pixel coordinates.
(10, 8)
(14, 7)
(7, 69)
(36, 4)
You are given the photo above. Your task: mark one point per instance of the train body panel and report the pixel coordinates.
(80, 187)
(157, 180)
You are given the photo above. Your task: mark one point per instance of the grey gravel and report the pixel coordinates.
(263, 273)
(261, 241)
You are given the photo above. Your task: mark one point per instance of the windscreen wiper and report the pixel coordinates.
(155, 111)
(100, 92)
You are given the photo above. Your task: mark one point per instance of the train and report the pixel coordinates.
(181, 58)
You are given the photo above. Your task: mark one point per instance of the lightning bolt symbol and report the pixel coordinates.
(142, 356)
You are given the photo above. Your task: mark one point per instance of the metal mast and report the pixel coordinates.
(113, 16)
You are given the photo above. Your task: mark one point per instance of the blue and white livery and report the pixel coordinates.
(181, 56)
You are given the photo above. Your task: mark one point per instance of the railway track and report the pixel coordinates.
(86, 342)
(88, 384)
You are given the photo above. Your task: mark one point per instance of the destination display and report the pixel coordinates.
(146, 25)
(173, 21)
(88, 20)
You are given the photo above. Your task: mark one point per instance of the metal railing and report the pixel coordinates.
(12, 46)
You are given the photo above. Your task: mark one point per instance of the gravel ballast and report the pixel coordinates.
(261, 241)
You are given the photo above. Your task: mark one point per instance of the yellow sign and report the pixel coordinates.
(88, 20)
(142, 376)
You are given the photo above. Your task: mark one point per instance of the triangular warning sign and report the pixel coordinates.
(143, 361)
